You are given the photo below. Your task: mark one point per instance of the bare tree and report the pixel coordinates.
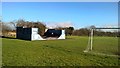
(5, 28)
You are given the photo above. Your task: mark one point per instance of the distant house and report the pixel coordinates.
(12, 34)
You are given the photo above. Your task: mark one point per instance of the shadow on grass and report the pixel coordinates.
(14, 38)
(7, 37)
(68, 38)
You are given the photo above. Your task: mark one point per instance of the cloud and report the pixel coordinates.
(60, 24)
(64, 24)
(111, 25)
(50, 26)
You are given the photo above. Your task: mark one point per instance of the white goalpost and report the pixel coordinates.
(90, 41)
(90, 45)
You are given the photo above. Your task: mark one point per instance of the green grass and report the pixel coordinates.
(106, 45)
(67, 52)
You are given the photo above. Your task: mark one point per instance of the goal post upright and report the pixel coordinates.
(91, 39)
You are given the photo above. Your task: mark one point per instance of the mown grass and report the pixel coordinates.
(68, 52)
(106, 45)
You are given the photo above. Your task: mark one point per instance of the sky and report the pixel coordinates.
(60, 0)
(77, 14)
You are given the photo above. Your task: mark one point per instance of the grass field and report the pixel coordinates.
(67, 52)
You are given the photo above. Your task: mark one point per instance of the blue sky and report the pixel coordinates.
(80, 14)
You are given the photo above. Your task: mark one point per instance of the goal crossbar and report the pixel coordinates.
(105, 28)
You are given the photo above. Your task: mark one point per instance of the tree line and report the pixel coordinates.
(41, 29)
(100, 32)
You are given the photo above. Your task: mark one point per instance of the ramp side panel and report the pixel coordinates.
(62, 35)
(35, 35)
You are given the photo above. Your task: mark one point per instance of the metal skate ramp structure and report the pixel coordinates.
(32, 34)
